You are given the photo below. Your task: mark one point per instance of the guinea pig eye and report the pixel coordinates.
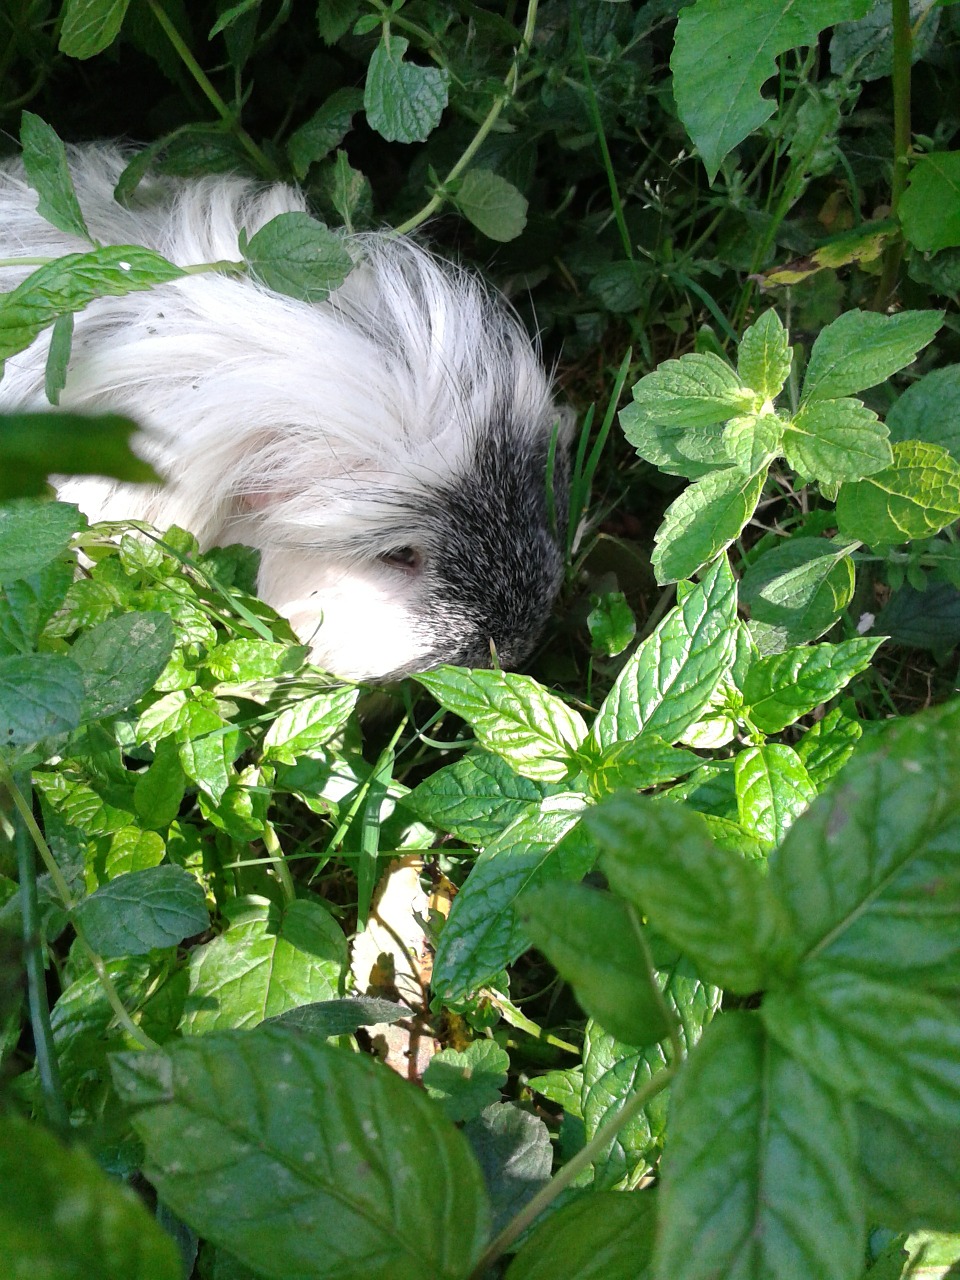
(409, 559)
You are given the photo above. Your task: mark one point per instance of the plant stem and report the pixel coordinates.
(51, 1086)
(509, 87)
(571, 1171)
(262, 163)
(902, 53)
(279, 862)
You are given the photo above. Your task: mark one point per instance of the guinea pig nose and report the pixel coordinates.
(407, 559)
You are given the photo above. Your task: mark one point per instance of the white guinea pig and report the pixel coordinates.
(385, 450)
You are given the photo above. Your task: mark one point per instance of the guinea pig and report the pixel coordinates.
(385, 450)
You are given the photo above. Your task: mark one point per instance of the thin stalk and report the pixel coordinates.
(902, 51)
(51, 1085)
(260, 160)
(278, 861)
(509, 88)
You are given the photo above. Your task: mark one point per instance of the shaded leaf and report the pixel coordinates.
(134, 913)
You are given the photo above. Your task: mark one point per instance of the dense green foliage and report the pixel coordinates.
(697, 994)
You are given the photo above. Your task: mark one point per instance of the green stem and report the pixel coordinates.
(279, 862)
(509, 87)
(261, 162)
(51, 1085)
(571, 1171)
(902, 53)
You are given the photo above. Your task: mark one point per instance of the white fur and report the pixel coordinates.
(320, 434)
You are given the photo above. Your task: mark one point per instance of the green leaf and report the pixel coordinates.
(63, 1218)
(714, 905)
(611, 623)
(308, 724)
(32, 534)
(41, 694)
(403, 101)
(870, 875)
(781, 688)
(70, 283)
(781, 1155)
(475, 798)
(327, 1018)
(335, 17)
(592, 940)
(492, 204)
(863, 348)
(483, 932)
(752, 440)
(698, 390)
(603, 1235)
(464, 1081)
(58, 358)
(638, 763)
(515, 1155)
(514, 717)
(828, 744)
(121, 659)
(134, 913)
(929, 410)
(915, 497)
(764, 357)
(930, 207)
(876, 1042)
(158, 791)
(773, 789)
(912, 1174)
(703, 521)
(836, 440)
(297, 255)
(367, 1179)
(723, 54)
(132, 849)
(27, 605)
(263, 966)
(32, 445)
(45, 161)
(799, 588)
(670, 680)
(325, 130)
(90, 26)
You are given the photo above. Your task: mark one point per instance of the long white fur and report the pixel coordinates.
(308, 431)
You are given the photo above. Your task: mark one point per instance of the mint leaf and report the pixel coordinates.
(863, 348)
(773, 789)
(752, 440)
(703, 521)
(781, 688)
(133, 913)
(90, 26)
(930, 206)
(324, 131)
(836, 440)
(297, 255)
(915, 497)
(799, 588)
(41, 694)
(34, 533)
(45, 162)
(492, 204)
(929, 410)
(764, 357)
(605, 1234)
(403, 101)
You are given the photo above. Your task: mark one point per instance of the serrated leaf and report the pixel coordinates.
(326, 1018)
(325, 129)
(465, 1081)
(606, 1235)
(297, 255)
(764, 357)
(45, 161)
(263, 966)
(611, 623)
(698, 390)
(836, 440)
(28, 604)
(912, 1173)
(120, 660)
(915, 497)
(723, 55)
(670, 680)
(514, 717)
(930, 207)
(403, 101)
(133, 913)
(492, 204)
(863, 348)
(782, 687)
(367, 1178)
(827, 745)
(90, 26)
(752, 440)
(70, 283)
(483, 932)
(515, 1155)
(592, 941)
(865, 48)
(714, 905)
(34, 533)
(782, 1155)
(773, 789)
(475, 798)
(703, 521)
(641, 763)
(929, 410)
(130, 850)
(62, 1217)
(32, 445)
(308, 724)
(800, 588)
(41, 694)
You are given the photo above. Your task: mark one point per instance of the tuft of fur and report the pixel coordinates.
(385, 450)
